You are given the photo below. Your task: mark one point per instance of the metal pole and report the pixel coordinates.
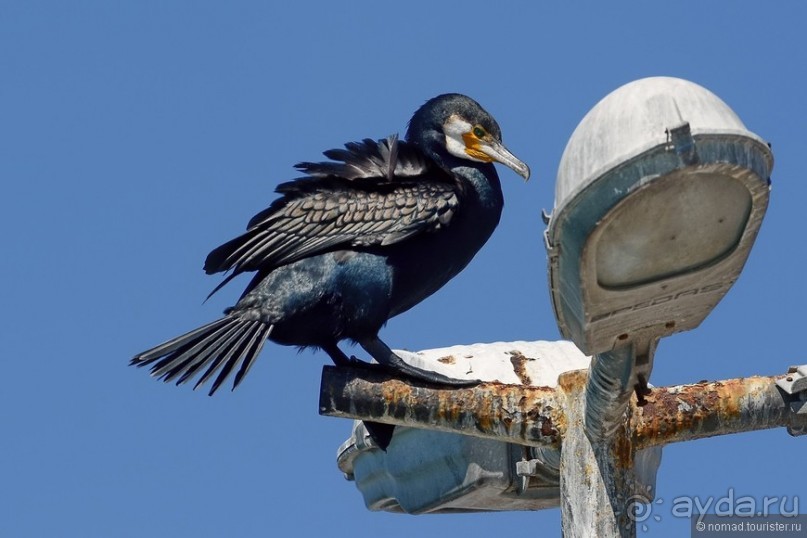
(596, 475)
(610, 385)
(707, 409)
(517, 414)
(614, 376)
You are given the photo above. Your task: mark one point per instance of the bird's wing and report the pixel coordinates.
(359, 208)
(388, 159)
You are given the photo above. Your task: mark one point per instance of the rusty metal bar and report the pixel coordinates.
(535, 416)
(707, 409)
(510, 413)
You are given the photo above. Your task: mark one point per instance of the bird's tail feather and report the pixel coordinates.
(222, 344)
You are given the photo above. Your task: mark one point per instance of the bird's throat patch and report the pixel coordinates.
(473, 147)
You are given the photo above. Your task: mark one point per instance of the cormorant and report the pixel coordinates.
(359, 240)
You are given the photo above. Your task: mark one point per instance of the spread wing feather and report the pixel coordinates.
(388, 159)
(378, 194)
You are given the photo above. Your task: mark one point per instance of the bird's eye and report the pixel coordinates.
(479, 132)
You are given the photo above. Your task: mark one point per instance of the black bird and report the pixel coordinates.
(357, 241)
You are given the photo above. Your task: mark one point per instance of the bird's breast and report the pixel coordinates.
(423, 266)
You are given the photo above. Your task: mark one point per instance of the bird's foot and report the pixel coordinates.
(394, 363)
(429, 376)
(364, 365)
(412, 372)
(391, 363)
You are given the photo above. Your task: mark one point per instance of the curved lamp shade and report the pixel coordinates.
(659, 196)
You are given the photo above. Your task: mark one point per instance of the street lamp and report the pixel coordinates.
(660, 194)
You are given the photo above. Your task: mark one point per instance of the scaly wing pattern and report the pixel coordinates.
(380, 193)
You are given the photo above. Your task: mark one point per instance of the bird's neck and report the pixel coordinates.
(482, 185)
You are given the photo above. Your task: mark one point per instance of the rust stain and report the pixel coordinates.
(448, 359)
(547, 430)
(519, 362)
(535, 415)
(734, 390)
(560, 424)
(485, 422)
(572, 381)
(623, 449)
(491, 410)
(680, 412)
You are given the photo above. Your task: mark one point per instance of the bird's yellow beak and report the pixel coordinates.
(489, 150)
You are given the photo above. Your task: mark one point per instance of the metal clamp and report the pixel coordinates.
(680, 139)
(539, 468)
(795, 385)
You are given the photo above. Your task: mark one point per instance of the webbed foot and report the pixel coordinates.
(389, 359)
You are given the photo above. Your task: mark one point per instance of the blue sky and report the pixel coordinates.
(135, 137)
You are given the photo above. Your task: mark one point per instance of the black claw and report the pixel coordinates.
(408, 371)
(418, 374)
(384, 355)
(354, 361)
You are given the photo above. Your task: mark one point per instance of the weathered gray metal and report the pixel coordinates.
(611, 383)
(659, 196)
(506, 366)
(428, 471)
(796, 380)
(707, 409)
(597, 476)
(461, 472)
(532, 416)
(795, 385)
(515, 413)
(489, 471)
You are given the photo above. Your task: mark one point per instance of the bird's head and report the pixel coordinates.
(456, 125)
